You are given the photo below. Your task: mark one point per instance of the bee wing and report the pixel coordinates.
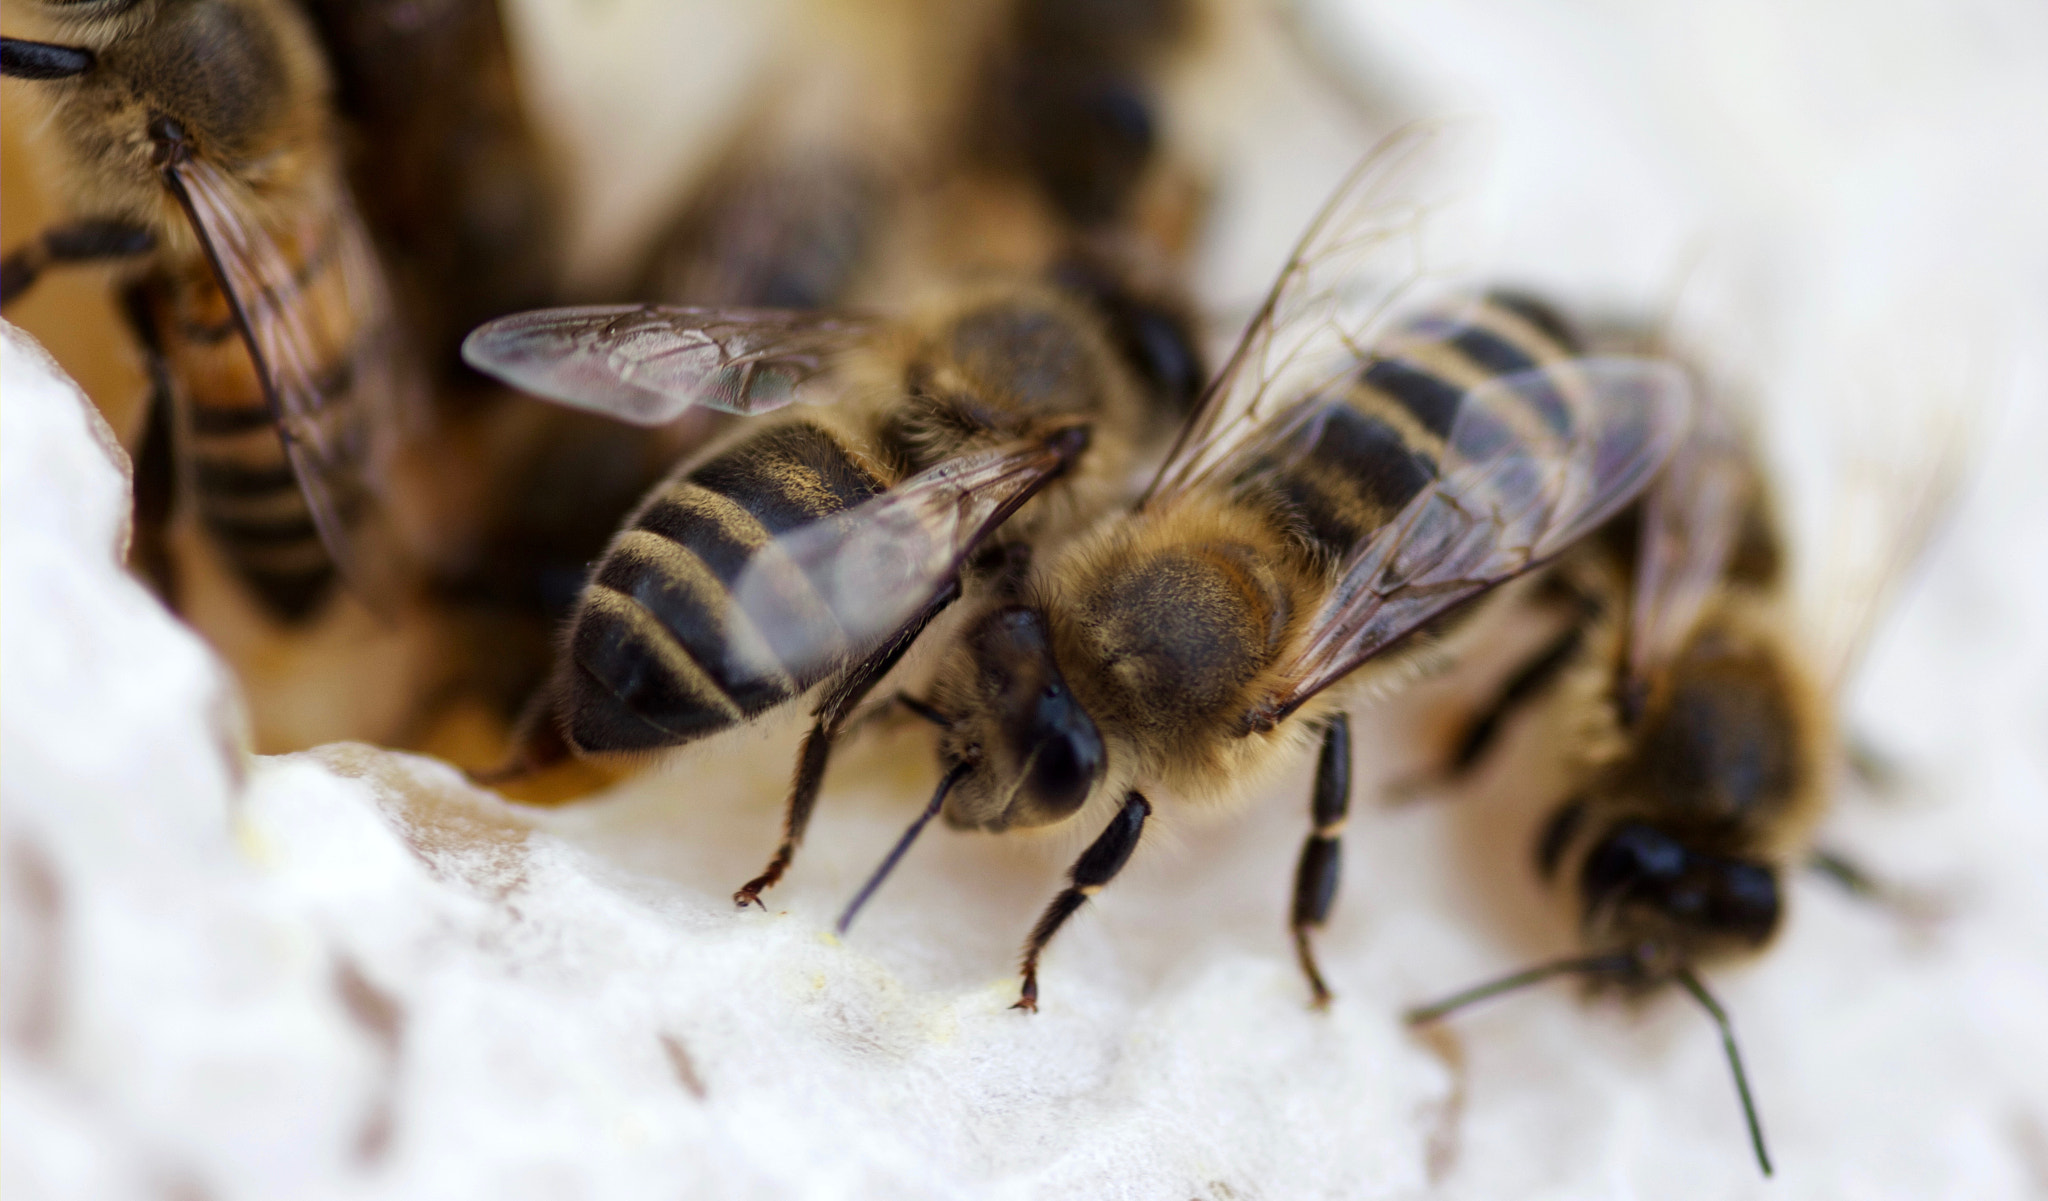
(1691, 516)
(335, 448)
(1500, 504)
(1370, 247)
(648, 364)
(1894, 489)
(835, 589)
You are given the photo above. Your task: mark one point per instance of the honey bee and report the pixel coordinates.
(451, 178)
(1071, 100)
(1324, 516)
(1703, 731)
(201, 149)
(802, 203)
(812, 549)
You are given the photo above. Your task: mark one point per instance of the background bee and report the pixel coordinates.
(806, 200)
(1702, 731)
(910, 141)
(453, 182)
(798, 210)
(201, 152)
(1317, 511)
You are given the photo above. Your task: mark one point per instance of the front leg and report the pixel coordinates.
(1908, 905)
(832, 713)
(81, 242)
(1315, 878)
(1097, 866)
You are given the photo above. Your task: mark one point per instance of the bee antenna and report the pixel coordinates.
(931, 810)
(1578, 965)
(22, 59)
(1707, 1002)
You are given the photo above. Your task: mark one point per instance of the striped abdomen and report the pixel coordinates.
(1362, 455)
(249, 498)
(652, 659)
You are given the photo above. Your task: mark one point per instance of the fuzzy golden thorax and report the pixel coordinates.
(1146, 648)
(240, 82)
(1007, 355)
(993, 363)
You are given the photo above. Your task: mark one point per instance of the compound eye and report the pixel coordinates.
(1066, 756)
(1631, 858)
(1746, 901)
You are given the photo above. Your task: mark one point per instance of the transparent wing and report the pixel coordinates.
(1691, 517)
(326, 360)
(1893, 490)
(871, 569)
(648, 364)
(1381, 239)
(1501, 504)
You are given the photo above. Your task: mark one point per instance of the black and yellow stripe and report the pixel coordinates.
(657, 649)
(249, 497)
(1361, 455)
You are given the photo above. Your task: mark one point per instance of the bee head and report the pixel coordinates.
(225, 78)
(1655, 891)
(1033, 755)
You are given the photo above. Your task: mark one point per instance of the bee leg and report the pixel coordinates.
(82, 242)
(831, 717)
(156, 461)
(1873, 767)
(1097, 866)
(1315, 878)
(1528, 684)
(1906, 903)
(537, 743)
(1853, 879)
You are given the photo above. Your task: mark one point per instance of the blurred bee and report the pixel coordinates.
(1705, 734)
(201, 147)
(807, 198)
(803, 208)
(452, 179)
(1325, 513)
(789, 215)
(811, 550)
(1071, 99)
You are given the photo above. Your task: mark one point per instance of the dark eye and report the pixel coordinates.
(1631, 858)
(1645, 866)
(1066, 755)
(1746, 901)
